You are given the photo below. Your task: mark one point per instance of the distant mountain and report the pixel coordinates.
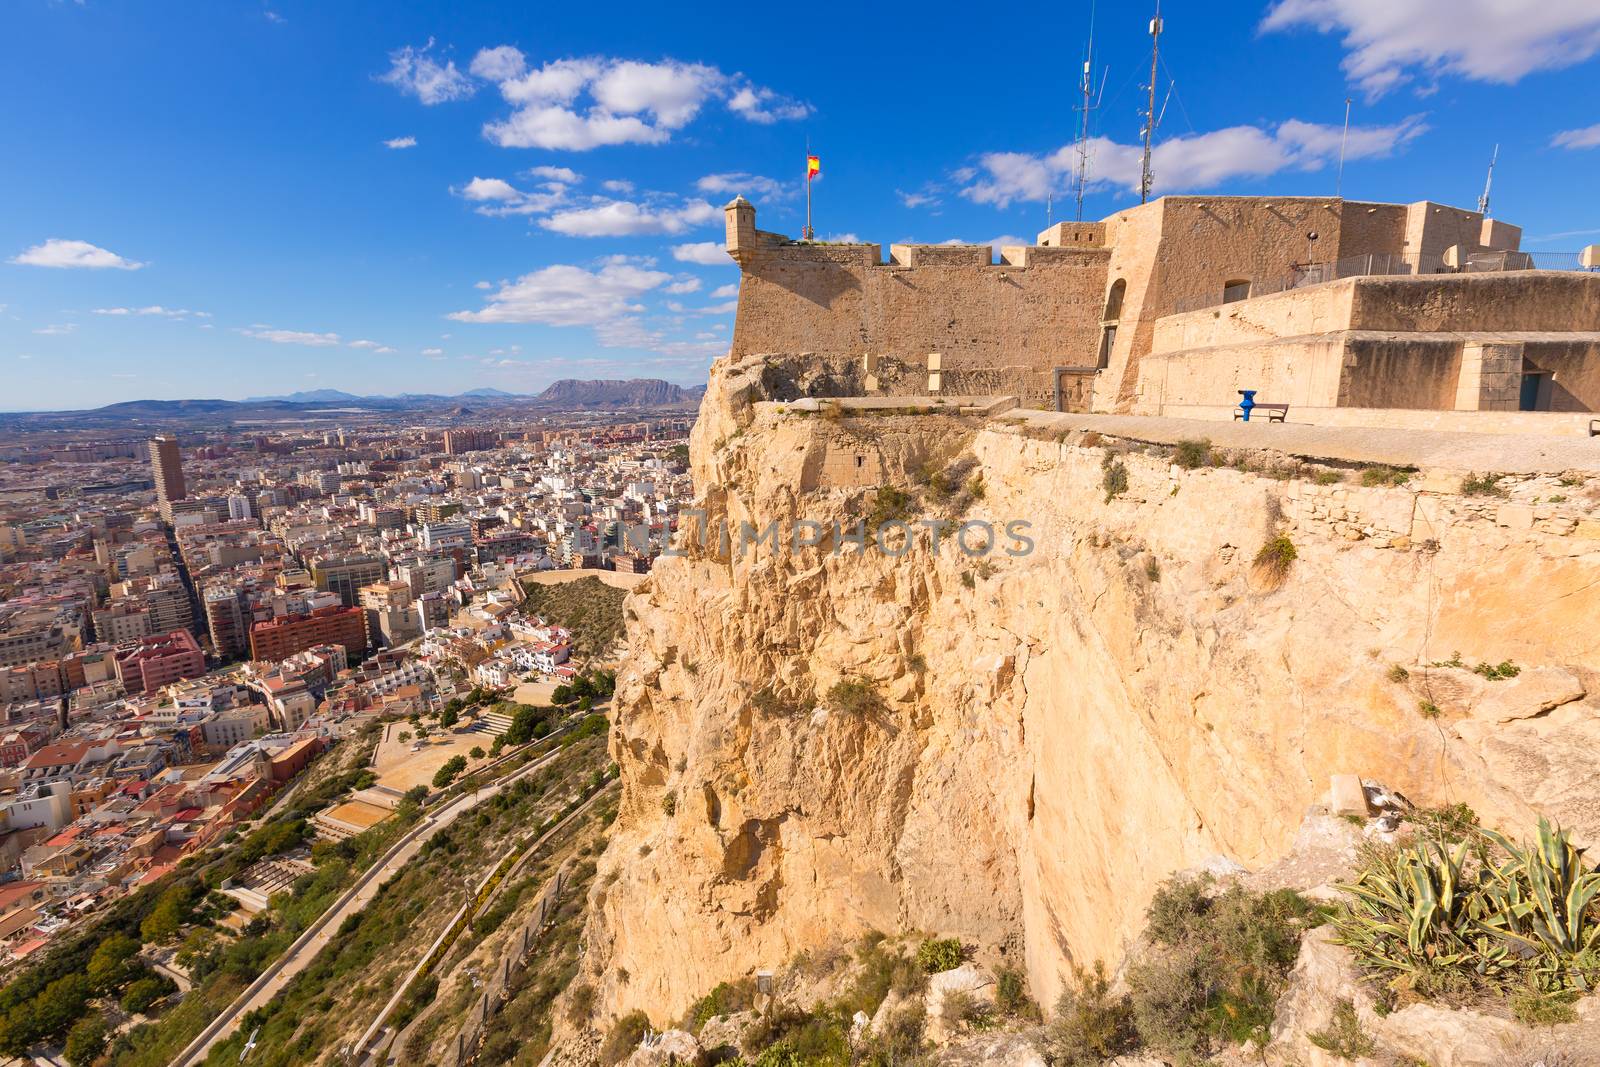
(308, 396)
(570, 394)
(632, 393)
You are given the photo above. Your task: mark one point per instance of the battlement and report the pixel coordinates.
(1068, 243)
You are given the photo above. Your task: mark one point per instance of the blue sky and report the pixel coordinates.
(217, 199)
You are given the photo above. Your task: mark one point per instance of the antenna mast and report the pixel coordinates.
(1338, 185)
(1483, 201)
(1150, 115)
(1086, 86)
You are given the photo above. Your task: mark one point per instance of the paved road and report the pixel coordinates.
(1428, 449)
(305, 949)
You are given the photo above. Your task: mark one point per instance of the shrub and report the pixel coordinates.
(1427, 709)
(1152, 568)
(669, 805)
(1275, 558)
(1011, 991)
(624, 1037)
(1483, 485)
(1190, 454)
(477, 752)
(856, 696)
(1216, 967)
(1497, 672)
(1538, 1008)
(963, 1011)
(725, 999)
(1091, 1026)
(1398, 674)
(881, 971)
(940, 954)
(1328, 477)
(1113, 477)
(1343, 1036)
(891, 504)
(1383, 475)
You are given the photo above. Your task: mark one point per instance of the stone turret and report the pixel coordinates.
(742, 238)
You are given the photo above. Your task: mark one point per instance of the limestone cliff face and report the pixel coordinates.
(1062, 730)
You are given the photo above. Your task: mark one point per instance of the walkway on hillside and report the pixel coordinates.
(1427, 449)
(300, 954)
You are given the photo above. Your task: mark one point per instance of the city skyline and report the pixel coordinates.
(261, 199)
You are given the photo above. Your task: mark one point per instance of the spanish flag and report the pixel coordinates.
(813, 167)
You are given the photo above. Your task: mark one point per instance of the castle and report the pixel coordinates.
(1351, 313)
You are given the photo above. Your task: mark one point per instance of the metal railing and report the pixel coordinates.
(1390, 264)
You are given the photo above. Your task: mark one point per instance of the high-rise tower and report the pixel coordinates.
(167, 465)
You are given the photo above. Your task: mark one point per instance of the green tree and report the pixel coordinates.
(145, 992)
(477, 752)
(447, 773)
(86, 1041)
(108, 966)
(448, 718)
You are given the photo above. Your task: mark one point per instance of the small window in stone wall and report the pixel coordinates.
(1235, 290)
(861, 461)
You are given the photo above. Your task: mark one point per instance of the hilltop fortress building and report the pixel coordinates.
(1352, 313)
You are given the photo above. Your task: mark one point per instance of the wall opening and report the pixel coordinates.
(1114, 301)
(1237, 289)
(1537, 387)
(1108, 322)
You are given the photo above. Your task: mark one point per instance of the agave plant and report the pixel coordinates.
(1427, 910)
(1543, 895)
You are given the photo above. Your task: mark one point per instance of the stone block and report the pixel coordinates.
(1514, 516)
(1346, 796)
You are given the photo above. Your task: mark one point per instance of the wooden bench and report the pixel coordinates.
(1273, 412)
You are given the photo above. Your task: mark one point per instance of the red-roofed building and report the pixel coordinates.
(158, 661)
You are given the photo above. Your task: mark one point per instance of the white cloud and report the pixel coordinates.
(372, 346)
(57, 330)
(483, 285)
(1587, 137)
(685, 285)
(415, 71)
(565, 295)
(499, 197)
(723, 292)
(155, 309)
(915, 200)
(739, 183)
(577, 104)
(624, 218)
(489, 189)
(401, 142)
(1388, 42)
(59, 253)
(292, 337)
(433, 353)
(842, 239)
(1192, 161)
(564, 175)
(617, 185)
(705, 253)
(498, 64)
(765, 106)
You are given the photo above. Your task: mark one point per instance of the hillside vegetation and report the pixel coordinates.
(588, 607)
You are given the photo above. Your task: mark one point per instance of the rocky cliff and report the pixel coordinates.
(1027, 744)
